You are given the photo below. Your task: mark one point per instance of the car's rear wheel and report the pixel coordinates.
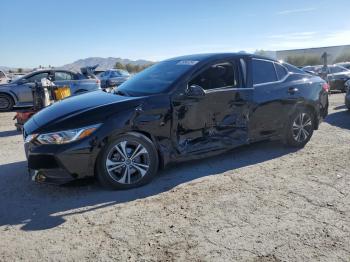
(300, 128)
(6, 102)
(128, 161)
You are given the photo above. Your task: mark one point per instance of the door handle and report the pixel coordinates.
(293, 90)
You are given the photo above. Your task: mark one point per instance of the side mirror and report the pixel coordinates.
(195, 91)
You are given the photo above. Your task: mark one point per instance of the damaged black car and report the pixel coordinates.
(183, 108)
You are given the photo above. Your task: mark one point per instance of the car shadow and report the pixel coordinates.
(9, 133)
(340, 119)
(40, 207)
(340, 107)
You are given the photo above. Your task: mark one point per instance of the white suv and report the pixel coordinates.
(3, 77)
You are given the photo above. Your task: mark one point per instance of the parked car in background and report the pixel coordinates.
(344, 64)
(312, 69)
(347, 96)
(336, 75)
(18, 93)
(3, 77)
(113, 77)
(183, 108)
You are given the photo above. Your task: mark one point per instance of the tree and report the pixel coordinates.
(304, 60)
(129, 68)
(260, 52)
(137, 68)
(344, 57)
(19, 70)
(119, 65)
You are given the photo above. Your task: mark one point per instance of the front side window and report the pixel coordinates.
(223, 75)
(37, 77)
(62, 76)
(263, 72)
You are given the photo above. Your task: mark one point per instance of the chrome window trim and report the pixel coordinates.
(221, 89)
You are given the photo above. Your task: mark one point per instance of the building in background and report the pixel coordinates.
(335, 53)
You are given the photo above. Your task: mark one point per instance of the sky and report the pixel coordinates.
(58, 32)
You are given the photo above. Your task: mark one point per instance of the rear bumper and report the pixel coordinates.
(337, 85)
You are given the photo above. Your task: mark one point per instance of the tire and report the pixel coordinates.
(347, 106)
(300, 128)
(6, 103)
(127, 161)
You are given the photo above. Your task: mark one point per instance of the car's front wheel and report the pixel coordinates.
(300, 128)
(6, 102)
(127, 161)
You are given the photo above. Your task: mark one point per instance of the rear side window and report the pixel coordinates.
(62, 76)
(294, 69)
(2, 75)
(281, 71)
(263, 72)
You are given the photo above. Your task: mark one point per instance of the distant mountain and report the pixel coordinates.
(14, 69)
(104, 63)
(4, 68)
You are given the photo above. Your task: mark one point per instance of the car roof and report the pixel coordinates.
(215, 56)
(50, 70)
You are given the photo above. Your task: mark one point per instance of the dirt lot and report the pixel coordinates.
(262, 202)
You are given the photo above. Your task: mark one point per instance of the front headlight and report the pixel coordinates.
(29, 138)
(67, 136)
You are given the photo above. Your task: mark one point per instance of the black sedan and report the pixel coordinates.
(183, 108)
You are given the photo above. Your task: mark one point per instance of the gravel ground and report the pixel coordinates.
(262, 202)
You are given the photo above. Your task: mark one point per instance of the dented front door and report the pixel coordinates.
(215, 121)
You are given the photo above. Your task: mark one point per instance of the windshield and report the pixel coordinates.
(156, 79)
(122, 72)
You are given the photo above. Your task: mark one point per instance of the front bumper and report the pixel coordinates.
(60, 163)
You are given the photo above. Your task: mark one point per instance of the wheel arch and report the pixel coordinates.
(313, 110)
(10, 94)
(105, 140)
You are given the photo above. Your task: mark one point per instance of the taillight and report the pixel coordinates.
(98, 81)
(325, 87)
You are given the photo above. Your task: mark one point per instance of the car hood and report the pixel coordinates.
(77, 111)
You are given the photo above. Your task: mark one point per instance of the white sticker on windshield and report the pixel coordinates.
(187, 62)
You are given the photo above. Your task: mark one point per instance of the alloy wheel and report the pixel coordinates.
(302, 127)
(127, 162)
(4, 103)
